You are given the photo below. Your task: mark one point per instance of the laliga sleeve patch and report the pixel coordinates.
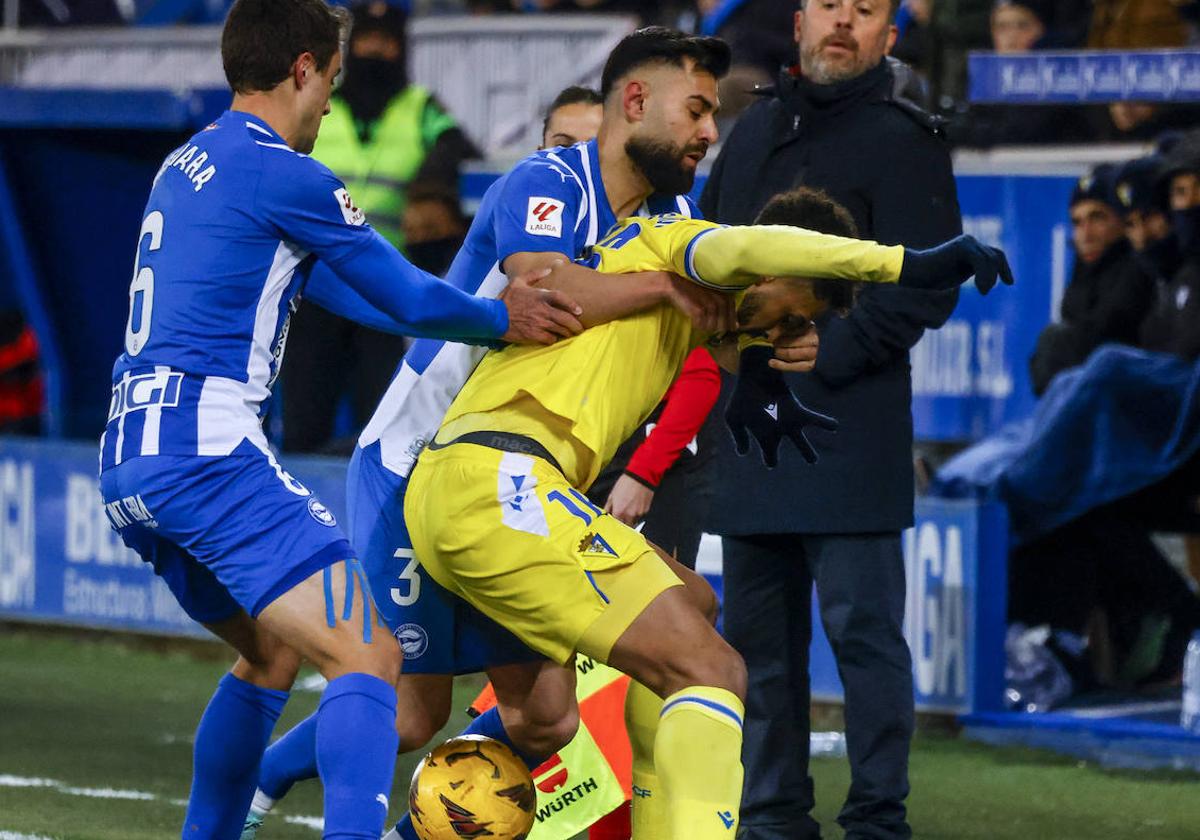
(350, 212)
(544, 217)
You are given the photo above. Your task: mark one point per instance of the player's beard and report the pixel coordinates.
(661, 163)
(749, 307)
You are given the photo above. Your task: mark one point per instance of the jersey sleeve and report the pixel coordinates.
(658, 243)
(735, 257)
(539, 207)
(310, 207)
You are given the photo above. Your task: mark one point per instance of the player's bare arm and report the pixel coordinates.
(607, 297)
(539, 315)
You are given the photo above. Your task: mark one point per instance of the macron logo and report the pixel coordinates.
(544, 217)
(726, 818)
(773, 410)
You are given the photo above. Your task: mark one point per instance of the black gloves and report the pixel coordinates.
(762, 405)
(952, 263)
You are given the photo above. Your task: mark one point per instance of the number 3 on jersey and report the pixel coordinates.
(141, 290)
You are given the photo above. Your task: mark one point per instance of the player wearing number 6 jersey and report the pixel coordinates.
(238, 224)
(497, 516)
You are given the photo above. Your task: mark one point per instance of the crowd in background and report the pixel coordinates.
(935, 37)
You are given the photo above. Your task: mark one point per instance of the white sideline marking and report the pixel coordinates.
(312, 822)
(112, 793)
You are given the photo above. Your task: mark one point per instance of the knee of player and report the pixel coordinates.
(382, 660)
(270, 666)
(713, 664)
(708, 603)
(416, 727)
(548, 735)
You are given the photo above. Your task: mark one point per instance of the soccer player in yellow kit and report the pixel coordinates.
(495, 507)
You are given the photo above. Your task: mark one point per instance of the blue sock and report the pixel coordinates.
(230, 741)
(356, 755)
(291, 759)
(488, 724)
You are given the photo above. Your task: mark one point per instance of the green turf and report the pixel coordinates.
(99, 714)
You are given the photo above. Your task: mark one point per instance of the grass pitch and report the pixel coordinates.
(95, 744)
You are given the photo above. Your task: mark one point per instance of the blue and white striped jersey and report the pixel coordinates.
(552, 201)
(233, 227)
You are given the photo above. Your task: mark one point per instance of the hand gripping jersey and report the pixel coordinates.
(232, 232)
(552, 201)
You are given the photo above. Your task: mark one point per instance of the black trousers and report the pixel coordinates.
(768, 584)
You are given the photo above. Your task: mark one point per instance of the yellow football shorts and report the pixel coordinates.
(506, 533)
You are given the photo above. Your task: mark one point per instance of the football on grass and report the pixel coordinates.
(472, 786)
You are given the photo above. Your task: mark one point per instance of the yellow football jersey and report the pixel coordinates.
(583, 396)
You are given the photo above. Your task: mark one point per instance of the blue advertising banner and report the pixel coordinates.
(1085, 76)
(61, 562)
(972, 375)
(955, 613)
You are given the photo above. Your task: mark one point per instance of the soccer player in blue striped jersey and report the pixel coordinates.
(240, 222)
(660, 97)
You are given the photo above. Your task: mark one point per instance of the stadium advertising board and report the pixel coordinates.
(972, 376)
(1086, 76)
(954, 618)
(61, 562)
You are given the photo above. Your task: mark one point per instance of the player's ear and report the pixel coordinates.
(303, 69)
(633, 100)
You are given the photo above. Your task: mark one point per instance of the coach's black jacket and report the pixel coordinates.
(886, 160)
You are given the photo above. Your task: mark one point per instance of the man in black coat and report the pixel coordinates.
(1110, 292)
(836, 122)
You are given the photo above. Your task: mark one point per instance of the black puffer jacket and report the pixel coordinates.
(885, 160)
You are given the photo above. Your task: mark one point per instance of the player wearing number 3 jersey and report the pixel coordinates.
(240, 223)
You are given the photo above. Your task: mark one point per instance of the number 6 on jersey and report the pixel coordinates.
(141, 290)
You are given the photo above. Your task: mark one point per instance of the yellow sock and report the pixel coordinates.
(650, 816)
(698, 755)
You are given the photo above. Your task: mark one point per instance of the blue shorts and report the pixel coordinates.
(226, 533)
(438, 632)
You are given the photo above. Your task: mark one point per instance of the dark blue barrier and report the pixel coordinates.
(1090, 76)
(61, 563)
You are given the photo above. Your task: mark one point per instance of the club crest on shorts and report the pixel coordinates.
(321, 513)
(595, 545)
(413, 640)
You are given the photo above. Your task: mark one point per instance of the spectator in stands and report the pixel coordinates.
(1173, 325)
(1136, 24)
(1019, 26)
(434, 226)
(573, 117)
(837, 122)
(387, 139)
(1109, 293)
(1137, 122)
(1144, 202)
(1101, 575)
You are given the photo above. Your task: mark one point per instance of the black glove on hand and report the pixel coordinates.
(762, 405)
(952, 263)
